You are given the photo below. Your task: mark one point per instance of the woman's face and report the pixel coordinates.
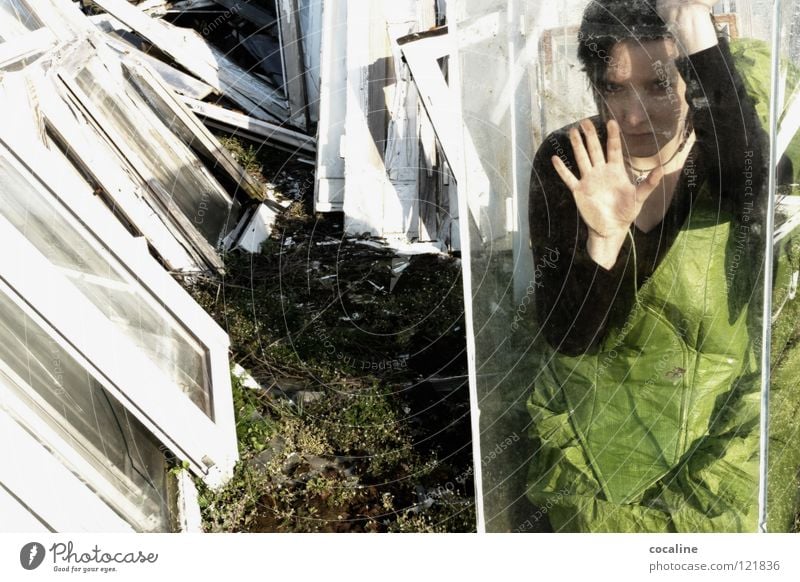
(645, 94)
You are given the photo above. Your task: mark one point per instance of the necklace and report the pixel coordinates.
(641, 175)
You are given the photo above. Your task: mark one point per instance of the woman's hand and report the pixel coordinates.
(691, 23)
(604, 195)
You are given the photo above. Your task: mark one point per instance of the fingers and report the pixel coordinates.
(564, 173)
(579, 150)
(614, 143)
(593, 143)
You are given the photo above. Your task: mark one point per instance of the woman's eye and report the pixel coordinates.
(612, 88)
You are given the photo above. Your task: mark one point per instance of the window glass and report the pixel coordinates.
(617, 260)
(205, 207)
(69, 398)
(93, 270)
(784, 459)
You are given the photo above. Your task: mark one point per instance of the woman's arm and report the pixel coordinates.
(690, 22)
(725, 119)
(574, 293)
(729, 132)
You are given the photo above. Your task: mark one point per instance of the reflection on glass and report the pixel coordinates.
(633, 341)
(648, 235)
(16, 19)
(784, 455)
(204, 206)
(112, 290)
(74, 404)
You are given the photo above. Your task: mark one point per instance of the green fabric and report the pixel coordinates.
(657, 430)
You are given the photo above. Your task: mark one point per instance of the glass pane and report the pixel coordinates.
(617, 264)
(16, 19)
(784, 455)
(204, 206)
(93, 270)
(68, 397)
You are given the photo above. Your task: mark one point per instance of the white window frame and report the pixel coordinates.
(41, 484)
(17, 517)
(27, 45)
(26, 121)
(67, 74)
(122, 187)
(208, 445)
(61, 21)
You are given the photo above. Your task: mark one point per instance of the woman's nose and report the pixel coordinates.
(634, 114)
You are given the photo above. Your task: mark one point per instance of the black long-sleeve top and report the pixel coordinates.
(575, 296)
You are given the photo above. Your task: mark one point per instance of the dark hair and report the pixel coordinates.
(607, 22)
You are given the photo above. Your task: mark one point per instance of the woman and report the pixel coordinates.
(645, 408)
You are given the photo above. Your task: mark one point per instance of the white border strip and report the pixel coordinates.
(766, 327)
(466, 275)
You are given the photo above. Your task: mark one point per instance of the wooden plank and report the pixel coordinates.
(293, 62)
(258, 228)
(364, 170)
(153, 31)
(300, 142)
(176, 79)
(64, 19)
(20, 119)
(185, 124)
(191, 51)
(191, 5)
(381, 155)
(401, 157)
(421, 52)
(329, 187)
(154, 7)
(429, 181)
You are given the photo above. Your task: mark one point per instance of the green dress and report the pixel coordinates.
(657, 430)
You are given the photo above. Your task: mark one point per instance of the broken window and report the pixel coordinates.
(127, 467)
(183, 186)
(162, 356)
(109, 371)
